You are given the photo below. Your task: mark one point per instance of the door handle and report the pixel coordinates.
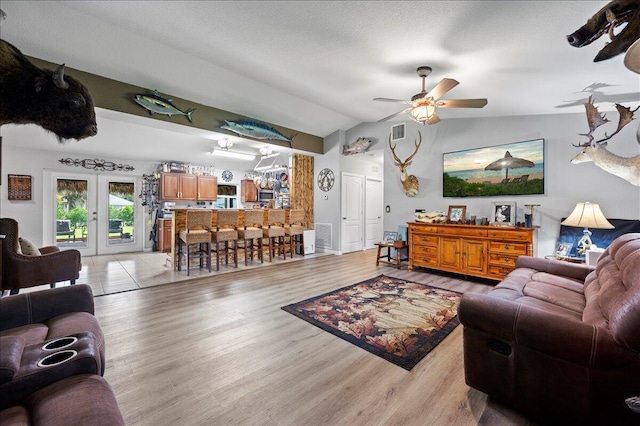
(344, 218)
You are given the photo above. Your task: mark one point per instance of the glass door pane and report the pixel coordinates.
(71, 213)
(121, 213)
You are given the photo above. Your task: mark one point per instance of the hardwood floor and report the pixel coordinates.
(220, 351)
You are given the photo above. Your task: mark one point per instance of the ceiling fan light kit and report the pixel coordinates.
(423, 104)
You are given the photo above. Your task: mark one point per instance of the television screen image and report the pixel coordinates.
(511, 169)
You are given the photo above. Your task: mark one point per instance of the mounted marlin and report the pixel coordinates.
(256, 130)
(159, 105)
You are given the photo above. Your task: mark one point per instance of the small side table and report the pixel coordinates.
(386, 258)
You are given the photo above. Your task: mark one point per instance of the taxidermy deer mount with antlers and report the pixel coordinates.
(410, 183)
(627, 168)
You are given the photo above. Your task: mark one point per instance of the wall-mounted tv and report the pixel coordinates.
(510, 169)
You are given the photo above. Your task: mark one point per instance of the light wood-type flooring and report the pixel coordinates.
(220, 351)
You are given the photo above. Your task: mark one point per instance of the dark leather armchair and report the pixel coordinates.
(20, 271)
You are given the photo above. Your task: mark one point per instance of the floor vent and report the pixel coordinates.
(323, 235)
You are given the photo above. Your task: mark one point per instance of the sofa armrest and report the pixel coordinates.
(10, 356)
(39, 306)
(577, 271)
(49, 249)
(51, 267)
(555, 335)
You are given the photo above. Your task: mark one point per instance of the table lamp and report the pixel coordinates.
(587, 215)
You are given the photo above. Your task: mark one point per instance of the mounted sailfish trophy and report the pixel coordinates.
(410, 183)
(156, 104)
(256, 130)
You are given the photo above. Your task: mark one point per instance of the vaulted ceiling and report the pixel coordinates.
(315, 66)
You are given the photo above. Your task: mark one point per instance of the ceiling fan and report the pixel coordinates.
(423, 105)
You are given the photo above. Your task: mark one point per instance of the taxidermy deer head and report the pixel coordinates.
(410, 183)
(592, 150)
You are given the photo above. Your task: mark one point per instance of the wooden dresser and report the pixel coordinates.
(481, 251)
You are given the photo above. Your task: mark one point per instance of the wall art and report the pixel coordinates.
(19, 187)
(511, 169)
(100, 165)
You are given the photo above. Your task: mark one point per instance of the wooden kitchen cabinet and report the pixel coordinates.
(482, 251)
(207, 188)
(248, 191)
(178, 186)
(165, 227)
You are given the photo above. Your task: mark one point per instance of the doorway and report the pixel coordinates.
(93, 213)
(352, 202)
(373, 212)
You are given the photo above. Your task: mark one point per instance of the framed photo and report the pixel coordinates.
(563, 250)
(389, 237)
(511, 169)
(503, 213)
(456, 213)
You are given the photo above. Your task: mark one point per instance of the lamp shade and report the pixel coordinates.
(587, 215)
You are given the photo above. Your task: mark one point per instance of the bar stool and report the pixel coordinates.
(198, 231)
(294, 230)
(274, 232)
(226, 231)
(251, 234)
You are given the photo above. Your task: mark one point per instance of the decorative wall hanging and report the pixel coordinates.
(149, 193)
(512, 169)
(256, 130)
(357, 147)
(156, 104)
(19, 187)
(100, 165)
(326, 179)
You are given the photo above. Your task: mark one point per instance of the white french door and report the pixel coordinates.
(93, 213)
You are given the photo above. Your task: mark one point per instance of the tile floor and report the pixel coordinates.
(115, 273)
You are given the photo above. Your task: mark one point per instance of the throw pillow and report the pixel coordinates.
(28, 248)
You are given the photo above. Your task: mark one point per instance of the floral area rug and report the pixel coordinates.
(398, 320)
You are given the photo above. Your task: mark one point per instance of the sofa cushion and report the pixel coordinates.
(28, 248)
(15, 416)
(11, 348)
(31, 333)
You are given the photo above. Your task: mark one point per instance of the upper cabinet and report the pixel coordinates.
(207, 188)
(188, 187)
(248, 191)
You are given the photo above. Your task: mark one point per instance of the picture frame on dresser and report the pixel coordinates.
(503, 213)
(456, 214)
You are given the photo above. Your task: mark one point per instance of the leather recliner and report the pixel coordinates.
(558, 341)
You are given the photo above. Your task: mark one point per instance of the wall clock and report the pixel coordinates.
(326, 179)
(227, 176)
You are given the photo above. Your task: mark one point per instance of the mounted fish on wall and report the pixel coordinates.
(156, 104)
(358, 147)
(256, 130)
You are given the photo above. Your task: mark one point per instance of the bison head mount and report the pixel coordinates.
(55, 101)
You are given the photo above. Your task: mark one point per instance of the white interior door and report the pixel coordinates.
(373, 212)
(352, 212)
(89, 212)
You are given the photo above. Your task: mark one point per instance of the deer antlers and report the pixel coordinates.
(596, 119)
(406, 162)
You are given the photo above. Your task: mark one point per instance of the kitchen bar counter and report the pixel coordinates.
(179, 221)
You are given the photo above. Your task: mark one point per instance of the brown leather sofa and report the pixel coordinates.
(558, 341)
(21, 271)
(52, 357)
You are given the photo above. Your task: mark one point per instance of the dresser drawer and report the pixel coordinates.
(427, 261)
(422, 250)
(510, 235)
(499, 271)
(507, 247)
(464, 231)
(502, 259)
(427, 240)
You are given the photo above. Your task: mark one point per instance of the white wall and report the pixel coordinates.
(565, 183)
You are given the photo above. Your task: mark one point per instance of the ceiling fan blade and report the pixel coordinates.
(394, 115)
(434, 119)
(441, 88)
(392, 100)
(461, 103)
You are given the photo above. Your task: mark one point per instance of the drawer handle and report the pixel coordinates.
(506, 259)
(506, 247)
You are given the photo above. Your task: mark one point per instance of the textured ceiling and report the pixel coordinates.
(316, 66)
